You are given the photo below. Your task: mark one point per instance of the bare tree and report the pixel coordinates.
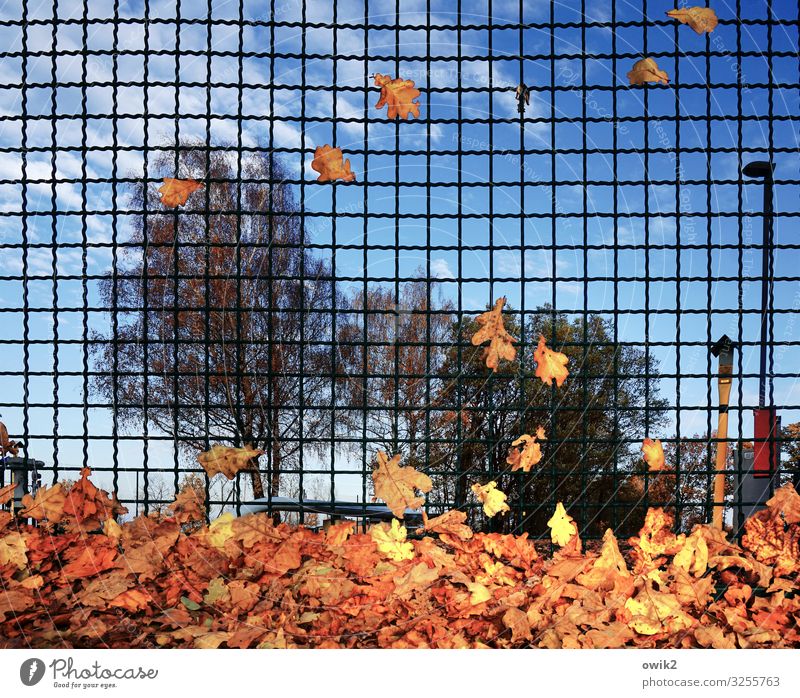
(221, 314)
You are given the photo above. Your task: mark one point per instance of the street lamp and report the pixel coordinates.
(765, 455)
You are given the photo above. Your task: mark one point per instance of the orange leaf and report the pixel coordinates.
(175, 192)
(550, 364)
(330, 164)
(7, 493)
(450, 522)
(88, 505)
(646, 70)
(189, 505)
(396, 485)
(399, 95)
(501, 343)
(653, 454)
(7, 446)
(529, 455)
(701, 19)
(228, 460)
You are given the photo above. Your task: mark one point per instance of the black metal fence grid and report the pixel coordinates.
(325, 321)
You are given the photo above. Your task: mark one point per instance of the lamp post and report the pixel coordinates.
(723, 350)
(765, 456)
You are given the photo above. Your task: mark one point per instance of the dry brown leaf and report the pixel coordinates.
(175, 192)
(646, 70)
(7, 446)
(330, 164)
(501, 343)
(399, 95)
(550, 365)
(701, 19)
(396, 485)
(451, 522)
(189, 506)
(786, 502)
(228, 460)
(7, 493)
(47, 504)
(529, 455)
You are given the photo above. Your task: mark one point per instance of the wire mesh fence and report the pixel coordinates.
(323, 321)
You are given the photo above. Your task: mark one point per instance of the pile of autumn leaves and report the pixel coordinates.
(79, 579)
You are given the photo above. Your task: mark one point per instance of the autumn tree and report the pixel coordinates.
(218, 314)
(593, 423)
(392, 347)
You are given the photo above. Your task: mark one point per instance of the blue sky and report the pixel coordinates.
(702, 208)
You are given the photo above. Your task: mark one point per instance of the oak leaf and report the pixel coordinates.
(609, 569)
(87, 506)
(12, 550)
(562, 526)
(492, 330)
(228, 460)
(701, 19)
(646, 70)
(493, 500)
(550, 365)
(397, 485)
(786, 502)
(7, 446)
(48, 503)
(652, 612)
(7, 493)
(220, 530)
(693, 556)
(653, 454)
(189, 506)
(451, 522)
(399, 95)
(175, 192)
(517, 622)
(529, 455)
(391, 541)
(330, 164)
(478, 593)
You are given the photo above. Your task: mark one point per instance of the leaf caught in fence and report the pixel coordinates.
(701, 19)
(330, 164)
(550, 365)
(397, 485)
(646, 70)
(399, 96)
(493, 500)
(529, 454)
(492, 330)
(228, 460)
(175, 192)
(562, 526)
(653, 454)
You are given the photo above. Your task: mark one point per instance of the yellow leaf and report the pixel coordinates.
(330, 164)
(399, 95)
(693, 556)
(646, 70)
(653, 454)
(175, 192)
(494, 501)
(112, 529)
(701, 19)
(396, 485)
(501, 343)
(550, 365)
(228, 460)
(391, 541)
(562, 526)
(529, 455)
(655, 612)
(221, 530)
(13, 549)
(478, 593)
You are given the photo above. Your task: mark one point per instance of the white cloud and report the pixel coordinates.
(440, 268)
